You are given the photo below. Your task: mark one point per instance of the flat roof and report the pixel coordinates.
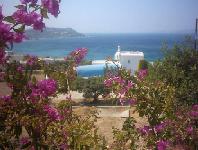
(134, 53)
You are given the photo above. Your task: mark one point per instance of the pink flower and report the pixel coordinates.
(6, 98)
(189, 130)
(160, 127)
(108, 82)
(5, 34)
(132, 102)
(52, 6)
(21, 16)
(78, 55)
(24, 140)
(130, 84)
(39, 25)
(20, 69)
(145, 130)
(42, 89)
(64, 146)
(48, 86)
(162, 145)
(194, 112)
(195, 107)
(142, 73)
(52, 112)
(31, 60)
(18, 37)
(29, 19)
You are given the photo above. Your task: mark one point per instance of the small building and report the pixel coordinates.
(129, 59)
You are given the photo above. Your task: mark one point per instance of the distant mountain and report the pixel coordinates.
(53, 33)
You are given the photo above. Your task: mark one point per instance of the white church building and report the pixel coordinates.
(126, 59)
(129, 59)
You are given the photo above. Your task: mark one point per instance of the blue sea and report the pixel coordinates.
(101, 46)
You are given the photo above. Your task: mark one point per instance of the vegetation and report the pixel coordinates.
(92, 87)
(143, 64)
(28, 119)
(179, 69)
(166, 96)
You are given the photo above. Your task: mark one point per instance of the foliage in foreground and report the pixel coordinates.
(179, 68)
(28, 119)
(166, 95)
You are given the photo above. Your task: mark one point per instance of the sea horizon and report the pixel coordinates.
(102, 45)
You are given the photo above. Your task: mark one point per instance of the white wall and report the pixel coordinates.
(130, 62)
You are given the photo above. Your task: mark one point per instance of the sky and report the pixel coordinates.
(122, 16)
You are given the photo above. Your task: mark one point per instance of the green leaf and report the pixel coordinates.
(44, 13)
(9, 19)
(26, 145)
(20, 29)
(33, 5)
(20, 6)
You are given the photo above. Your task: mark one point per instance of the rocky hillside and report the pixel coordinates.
(53, 33)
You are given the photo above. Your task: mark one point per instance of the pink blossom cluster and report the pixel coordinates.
(30, 19)
(24, 140)
(142, 73)
(20, 69)
(52, 112)
(145, 130)
(162, 144)
(114, 79)
(157, 128)
(182, 128)
(12, 27)
(117, 80)
(194, 112)
(122, 87)
(161, 127)
(190, 130)
(6, 98)
(78, 55)
(31, 60)
(42, 90)
(52, 6)
(6, 36)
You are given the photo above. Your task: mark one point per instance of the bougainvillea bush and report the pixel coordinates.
(28, 119)
(170, 124)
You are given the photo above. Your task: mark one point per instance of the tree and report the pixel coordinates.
(143, 64)
(179, 69)
(92, 87)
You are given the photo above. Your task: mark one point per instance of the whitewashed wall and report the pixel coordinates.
(130, 62)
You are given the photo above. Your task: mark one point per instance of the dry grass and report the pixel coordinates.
(105, 124)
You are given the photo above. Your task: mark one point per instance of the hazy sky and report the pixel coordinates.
(121, 16)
